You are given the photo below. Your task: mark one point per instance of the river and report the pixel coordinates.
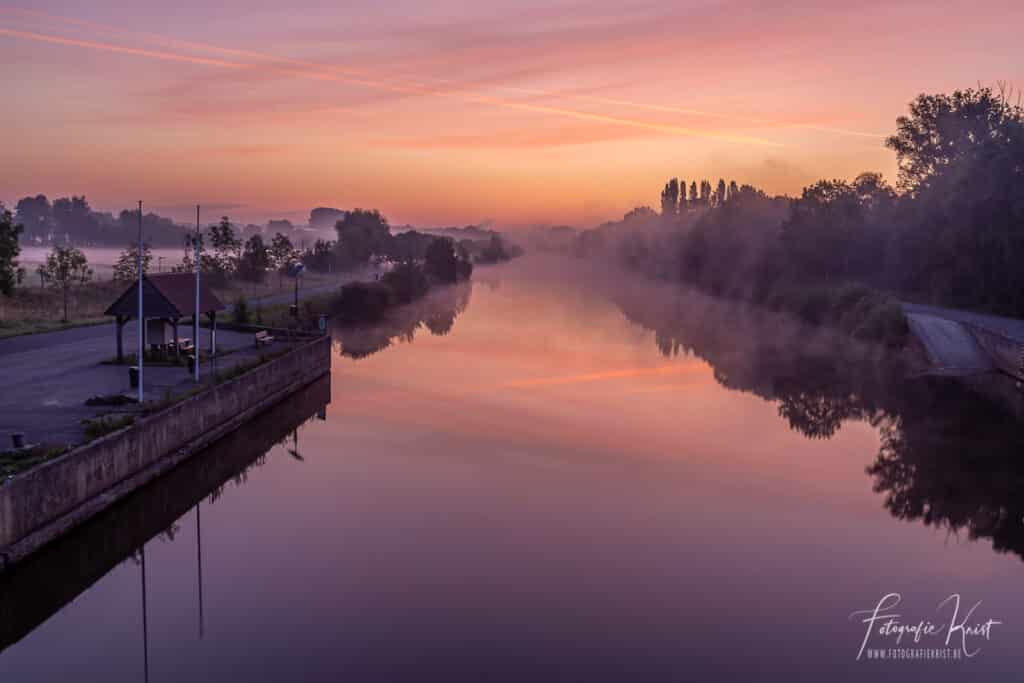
(548, 475)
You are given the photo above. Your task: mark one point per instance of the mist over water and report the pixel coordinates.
(558, 472)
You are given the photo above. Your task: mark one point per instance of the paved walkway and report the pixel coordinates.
(950, 345)
(47, 382)
(48, 377)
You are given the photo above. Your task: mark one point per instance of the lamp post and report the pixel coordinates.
(196, 241)
(142, 321)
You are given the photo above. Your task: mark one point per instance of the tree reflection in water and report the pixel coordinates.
(949, 456)
(436, 311)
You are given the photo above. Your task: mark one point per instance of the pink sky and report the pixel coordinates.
(456, 112)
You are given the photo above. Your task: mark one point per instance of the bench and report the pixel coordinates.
(182, 343)
(263, 337)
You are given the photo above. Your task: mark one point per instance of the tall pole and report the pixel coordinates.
(195, 318)
(142, 321)
(199, 557)
(145, 618)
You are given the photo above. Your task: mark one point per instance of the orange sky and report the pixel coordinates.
(455, 112)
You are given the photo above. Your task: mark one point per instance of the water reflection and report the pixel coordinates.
(32, 591)
(436, 312)
(949, 455)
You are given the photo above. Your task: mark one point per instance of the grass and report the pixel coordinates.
(16, 462)
(105, 424)
(17, 328)
(34, 309)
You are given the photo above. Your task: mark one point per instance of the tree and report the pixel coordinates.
(36, 215)
(74, 217)
(734, 191)
(255, 260)
(693, 193)
(720, 193)
(822, 227)
(282, 254)
(440, 261)
(321, 257)
(65, 267)
(324, 218)
(952, 137)
(682, 196)
(361, 234)
(961, 159)
(670, 198)
(10, 273)
(226, 247)
(127, 266)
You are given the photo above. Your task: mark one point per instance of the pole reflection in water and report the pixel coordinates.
(34, 590)
(199, 567)
(145, 618)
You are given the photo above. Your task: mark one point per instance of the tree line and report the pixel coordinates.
(950, 232)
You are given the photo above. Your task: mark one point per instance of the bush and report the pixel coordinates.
(407, 282)
(101, 426)
(361, 302)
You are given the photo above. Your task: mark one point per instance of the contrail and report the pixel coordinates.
(321, 73)
(251, 54)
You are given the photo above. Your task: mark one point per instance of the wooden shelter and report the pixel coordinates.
(167, 297)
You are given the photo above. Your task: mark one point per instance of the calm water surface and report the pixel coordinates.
(542, 479)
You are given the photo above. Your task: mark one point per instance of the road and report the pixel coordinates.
(86, 335)
(950, 345)
(47, 377)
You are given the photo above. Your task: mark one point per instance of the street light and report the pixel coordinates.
(294, 271)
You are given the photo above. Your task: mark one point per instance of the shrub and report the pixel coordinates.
(361, 301)
(101, 426)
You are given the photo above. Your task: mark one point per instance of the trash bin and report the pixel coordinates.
(18, 440)
(191, 358)
(133, 376)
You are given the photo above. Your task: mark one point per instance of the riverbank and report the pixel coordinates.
(45, 502)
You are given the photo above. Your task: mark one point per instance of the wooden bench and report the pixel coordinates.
(263, 337)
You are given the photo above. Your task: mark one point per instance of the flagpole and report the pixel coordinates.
(195, 318)
(142, 321)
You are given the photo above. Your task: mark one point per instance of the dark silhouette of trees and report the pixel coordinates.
(325, 218)
(362, 233)
(953, 235)
(440, 261)
(10, 273)
(36, 215)
(961, 159)
(670, 198)
(73, 217)
(320, 258)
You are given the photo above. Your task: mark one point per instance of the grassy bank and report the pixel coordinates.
(34, 309)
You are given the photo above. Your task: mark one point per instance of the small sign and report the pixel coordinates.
(323, 323)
